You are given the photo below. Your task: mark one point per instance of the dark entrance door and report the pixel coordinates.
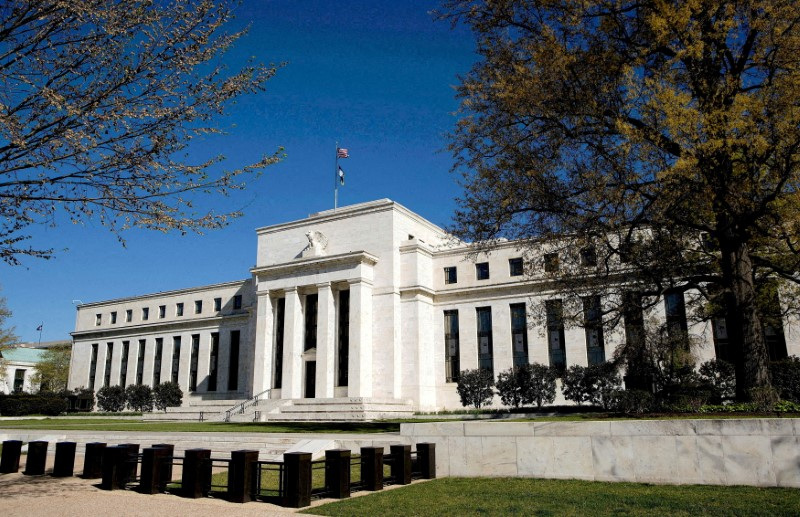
(311, 377)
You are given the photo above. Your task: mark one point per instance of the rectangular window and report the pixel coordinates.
(482, 271)
(193, 362)
(556, 343)
(179, 309)
(157, 362)
(675, 309)
(310, 340)
(719, 326)
(451, 346)
(98, 319)
(237, 302)
(593, 327)
(588, 257)
(93, 366)
(19, 379)
(145, 313)
(515, 267)
(128, 315)
(343, 338)
(233, 368)
(551, 264)
(162, 311)
(123, 369)
(109, 357)
(450, 275)
(198, 306)
(113, 317)
(140, 362)
(519, 334)
(280, 312)
(176, 358)
(213, 361)
(485, 355)
(772, 324)
(217, 304)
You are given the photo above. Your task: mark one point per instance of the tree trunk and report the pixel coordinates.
(744, 325)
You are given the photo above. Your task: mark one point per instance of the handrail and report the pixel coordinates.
(240, 406)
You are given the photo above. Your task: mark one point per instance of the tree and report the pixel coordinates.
(475, 387)
(167, 394)
(7, 337)
(514, 386)
(111, 398)
(100, 101)
(543, 384)
(52, 371)
(664, 136)
(573, 384)
(140, 397)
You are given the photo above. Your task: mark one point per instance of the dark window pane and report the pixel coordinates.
(515, 267)
(482, 271)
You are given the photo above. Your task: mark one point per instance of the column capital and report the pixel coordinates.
(359, 281)
(323, 285)
(292, 289)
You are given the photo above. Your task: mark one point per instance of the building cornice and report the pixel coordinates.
(315, 263)
(159, 327)
(162, 294)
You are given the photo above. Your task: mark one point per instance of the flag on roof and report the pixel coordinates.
(341, 153)
(341, 176)
(39, 328)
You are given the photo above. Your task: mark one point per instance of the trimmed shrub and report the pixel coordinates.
(21, 404)
(786, 378)
(631, 401)
(475, 387)
(543, 384)
(111, 398)
(514, 386)
(140, 397)
(167, 394)
(573, 384)
(593, 384)
(720, 378)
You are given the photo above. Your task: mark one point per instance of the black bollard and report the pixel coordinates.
(37, 458)
(131, 463)
(196, 477)
(93, 460)
(64, 465)
(9, 463)
(401, 464)
(372, 468)
(150, 481)
(426, 459)
(337, 473)
(241, 476)
(166, 464)
(297, 479)
(114, 469)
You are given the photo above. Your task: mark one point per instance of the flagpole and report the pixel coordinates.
(40, 332)
(336, 178)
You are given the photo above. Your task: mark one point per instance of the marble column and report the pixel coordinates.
(326, 342)
(360, 361)
(149, 361)
(116, 362)
(100, 366)
(293, 347)
(262, 355)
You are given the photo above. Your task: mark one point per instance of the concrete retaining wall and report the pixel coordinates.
(759, 452)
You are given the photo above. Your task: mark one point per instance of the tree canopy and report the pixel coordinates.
(52, 371)
(99, 100)
(662, 135)
(7, 337)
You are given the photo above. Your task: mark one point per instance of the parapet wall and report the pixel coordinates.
(758, 452)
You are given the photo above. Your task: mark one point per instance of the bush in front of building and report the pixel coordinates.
(515, 386)
(631, 402)
(720, 377)
(573, 384)
(475, 387)
(543, 384)
(786, 378)
(167, 394)
(594, 384)
(21, 404)
(111, 399)
(140, 397)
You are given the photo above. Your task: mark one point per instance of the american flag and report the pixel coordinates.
(341, 153)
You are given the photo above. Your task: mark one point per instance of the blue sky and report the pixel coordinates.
(377, 76)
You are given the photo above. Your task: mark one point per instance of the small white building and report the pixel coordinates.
(367, 304)
(20, 367)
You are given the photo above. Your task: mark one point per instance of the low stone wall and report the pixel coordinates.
(759, 452)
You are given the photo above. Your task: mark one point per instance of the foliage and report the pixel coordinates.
(720, 377)
(543, 384)
(514, 386)
(7, 337)
(111, 398)
(573, 385)
(20, 404)
(786, 378)
(475, 387)
(594, 384)
(764, 397)
(80, 399)
(167, 394)
(663, 135)
(140, 397)
(631, 401)
(52, 371)
(101, 100)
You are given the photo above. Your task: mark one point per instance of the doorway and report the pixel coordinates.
(311, 377)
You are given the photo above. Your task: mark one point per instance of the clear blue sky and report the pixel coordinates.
(377, 76)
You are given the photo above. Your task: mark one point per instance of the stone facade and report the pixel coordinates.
(351, 303)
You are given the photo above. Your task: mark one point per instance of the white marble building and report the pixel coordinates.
(368, 303)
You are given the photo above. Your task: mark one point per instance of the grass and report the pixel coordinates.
(515, 496)
(110, 424)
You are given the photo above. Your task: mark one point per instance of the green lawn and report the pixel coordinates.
(515, 496)
(110, 424)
